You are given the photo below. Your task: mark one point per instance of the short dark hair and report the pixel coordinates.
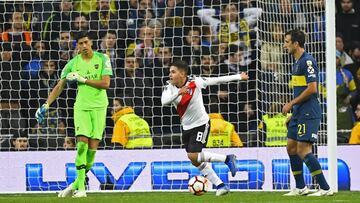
(297, 36)
(181, 65)
(81, 35)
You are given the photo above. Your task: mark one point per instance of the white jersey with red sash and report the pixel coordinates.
(189, 106)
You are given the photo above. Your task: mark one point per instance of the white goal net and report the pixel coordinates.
(142, 37)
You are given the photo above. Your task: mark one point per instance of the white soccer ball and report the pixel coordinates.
(198, 185)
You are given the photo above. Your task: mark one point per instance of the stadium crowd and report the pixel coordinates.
(142, 38)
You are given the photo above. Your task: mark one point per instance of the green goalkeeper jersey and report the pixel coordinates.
(88, 97)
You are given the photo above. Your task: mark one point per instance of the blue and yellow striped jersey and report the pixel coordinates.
(305, 71)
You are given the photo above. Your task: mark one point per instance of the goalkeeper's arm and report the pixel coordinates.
(223, 79)
(56, 91)
(41, 112)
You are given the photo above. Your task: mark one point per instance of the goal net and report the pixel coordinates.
(142, 38)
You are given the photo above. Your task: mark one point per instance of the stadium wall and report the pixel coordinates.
(163, 170)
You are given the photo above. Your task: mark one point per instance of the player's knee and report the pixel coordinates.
(193, 157)
(291, 150)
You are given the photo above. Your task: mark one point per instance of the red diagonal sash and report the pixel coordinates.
(185, 99)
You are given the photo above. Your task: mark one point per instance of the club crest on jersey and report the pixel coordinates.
(96, 66)
(190, 91)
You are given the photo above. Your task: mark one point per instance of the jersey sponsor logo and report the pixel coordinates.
(309, 63)
(185, 99)
(310, 70)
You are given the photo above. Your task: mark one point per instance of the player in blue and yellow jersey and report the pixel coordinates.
(305, 121)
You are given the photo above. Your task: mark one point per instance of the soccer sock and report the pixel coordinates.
(90, 157)
(297, 170)
(209, 173)
(315, 169)
(210, 157)
(80, 163)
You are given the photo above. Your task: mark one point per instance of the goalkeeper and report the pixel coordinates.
(91, 70)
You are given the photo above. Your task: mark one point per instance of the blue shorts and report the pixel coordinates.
(303, 130)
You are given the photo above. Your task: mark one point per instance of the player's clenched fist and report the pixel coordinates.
(244, 76)
(74, 76)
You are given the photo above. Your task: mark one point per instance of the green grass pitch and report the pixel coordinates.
(181, 197)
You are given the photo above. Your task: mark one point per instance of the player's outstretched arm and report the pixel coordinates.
(223, 79)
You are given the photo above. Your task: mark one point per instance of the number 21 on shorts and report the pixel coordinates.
(301, 129)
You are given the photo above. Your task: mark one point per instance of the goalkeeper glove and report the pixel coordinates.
(40, 113)
(74, 76)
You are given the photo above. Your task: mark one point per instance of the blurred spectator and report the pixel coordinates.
(80, 24)
(162, 61)
(159, 75)
(135, 89)
(345, 59)
(130, 130)
(234, 58)
(88, 6)
(348, 22)
(288, 11)
(317, 27)
(10, 92)
(69, 143)
(271, 50)
(176, 16)
(104, 19)
(274, 126)
(191, 50)
(64, 48)
(271, 57)
(232, 28)
(19, 37)
(158, 31)
(31, 70)
(222, 133)
(59, 21)
(346, 90)
(20, 141)
(356, 100)
(108, 46)
(140, 11)
(246, 119)
(355, 132)
(208, 67)
(208, 36)
(143, 48)
(34, 14)
(355, 56)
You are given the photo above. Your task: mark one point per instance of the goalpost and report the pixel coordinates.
(146, 36)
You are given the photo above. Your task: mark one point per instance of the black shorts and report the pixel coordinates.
(196, 138)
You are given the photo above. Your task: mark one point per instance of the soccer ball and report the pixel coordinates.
(198, 185)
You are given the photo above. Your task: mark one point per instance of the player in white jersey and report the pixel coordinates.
(185, 94)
